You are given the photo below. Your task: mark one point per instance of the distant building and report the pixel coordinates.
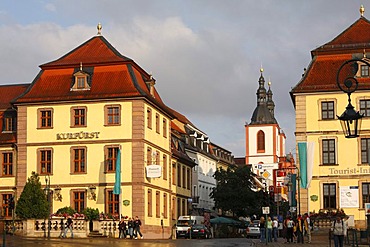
(265, 140)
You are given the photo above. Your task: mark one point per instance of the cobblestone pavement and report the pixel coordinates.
(16, 241)
(316, 241)
(321, 240)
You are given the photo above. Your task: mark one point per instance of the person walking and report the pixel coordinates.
(299, 230)
(307, 227)
(339, 231)
(69, 227)
(137, 224)
(130, 225)
(262, 229)
(62, 226)
(275, 225)
(122, 228)
(289, 229)
(269, 229)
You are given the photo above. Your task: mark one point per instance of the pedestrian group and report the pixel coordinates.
(130, 229)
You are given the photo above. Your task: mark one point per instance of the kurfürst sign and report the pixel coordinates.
(78, 135)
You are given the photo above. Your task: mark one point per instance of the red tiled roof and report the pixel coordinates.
(7, 138)
(321, 75)
(180, 117)
(355, 36)
(55, 85)
(96, 50)
(10, 92)
(112, 76)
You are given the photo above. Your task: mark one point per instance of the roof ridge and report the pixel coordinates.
(336, 43)
(59, 61)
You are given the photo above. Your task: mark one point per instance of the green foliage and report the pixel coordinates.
(66, 211)
(91, 214)
(32, 203)
(234, 191)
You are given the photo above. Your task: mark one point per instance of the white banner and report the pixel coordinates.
(153, 171)
(349, 197)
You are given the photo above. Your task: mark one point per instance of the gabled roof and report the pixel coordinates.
(354, 37)
(95, 51)
(112, 76)
(321, 75)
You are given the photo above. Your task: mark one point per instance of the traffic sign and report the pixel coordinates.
(265, 210)
(266, 174)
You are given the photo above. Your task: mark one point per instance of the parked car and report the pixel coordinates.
(184, 222)
(199, 231)
(253, 230)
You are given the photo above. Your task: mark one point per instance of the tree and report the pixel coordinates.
(234, 193)
(32, 203)
(68, 210)
(91, 214)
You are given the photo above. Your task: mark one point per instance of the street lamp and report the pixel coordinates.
(347, 82)
(92, 190)
(47, 190)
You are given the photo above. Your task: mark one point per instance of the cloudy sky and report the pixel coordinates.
(204, 54)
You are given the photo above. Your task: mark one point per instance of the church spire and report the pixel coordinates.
(263, 114)
(270, 102)
(261, 92)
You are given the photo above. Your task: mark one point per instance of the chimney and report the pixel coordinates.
(151, 83)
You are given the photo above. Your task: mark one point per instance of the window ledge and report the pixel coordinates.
(329, 165)
(80, 89)
(8, 131)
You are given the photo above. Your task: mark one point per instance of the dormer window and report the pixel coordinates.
(9, 122)
(80, 80)
(364, 71)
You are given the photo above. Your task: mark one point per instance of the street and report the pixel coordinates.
(14, 241)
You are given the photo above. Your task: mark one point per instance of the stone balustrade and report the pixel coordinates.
(81, 229)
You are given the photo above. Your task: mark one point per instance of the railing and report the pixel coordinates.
(39, 227)
(351, 238)
(108, 228)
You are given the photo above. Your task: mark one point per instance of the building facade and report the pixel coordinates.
(340, 169)
(93, 115)
(84, 114)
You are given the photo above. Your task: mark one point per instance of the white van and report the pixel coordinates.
(184, 223)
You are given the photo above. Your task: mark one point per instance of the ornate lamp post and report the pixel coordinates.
(47, 191)
(350, 120)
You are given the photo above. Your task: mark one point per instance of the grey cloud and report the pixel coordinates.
(205, 55)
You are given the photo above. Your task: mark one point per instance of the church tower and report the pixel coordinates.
(265, 141)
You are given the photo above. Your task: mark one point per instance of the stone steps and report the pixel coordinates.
(96, 234)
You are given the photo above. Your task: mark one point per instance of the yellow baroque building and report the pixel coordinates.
(71, 122)
(340, 169)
